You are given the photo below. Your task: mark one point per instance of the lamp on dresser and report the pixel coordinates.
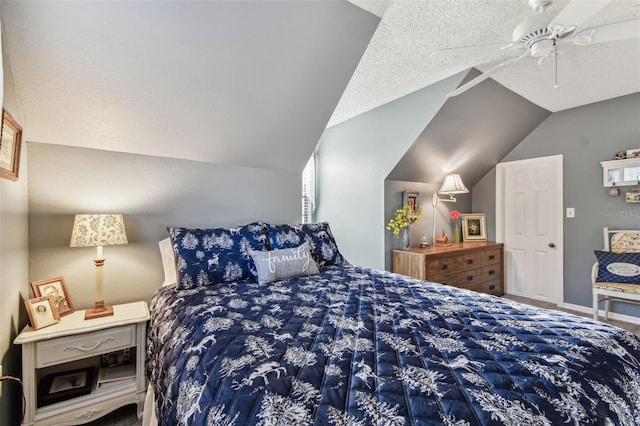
(451, 186)
(98, 230)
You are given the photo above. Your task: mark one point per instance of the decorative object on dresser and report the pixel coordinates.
(60, 364)
(10, 141)
(56, 288)
(474, 227)
(403, 219)
(451, 186)
(97, 230)
(472, 265)
(455, 215)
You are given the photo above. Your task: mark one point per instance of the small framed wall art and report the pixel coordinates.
(56, 288)
(410, 199)
(42, 312)
(474, 227)
(10, 142)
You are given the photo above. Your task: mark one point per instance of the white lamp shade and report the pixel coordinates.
(91, 230)
(453, 185)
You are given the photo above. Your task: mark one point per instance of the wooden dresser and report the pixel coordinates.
(475, 266)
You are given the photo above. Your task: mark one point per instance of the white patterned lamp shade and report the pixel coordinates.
(92, 230)
(97, 230)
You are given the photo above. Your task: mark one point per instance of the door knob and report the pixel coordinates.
(552, 245)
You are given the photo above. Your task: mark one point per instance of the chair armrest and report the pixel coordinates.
(594, 272)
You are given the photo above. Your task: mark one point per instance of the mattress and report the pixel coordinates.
(356, 346)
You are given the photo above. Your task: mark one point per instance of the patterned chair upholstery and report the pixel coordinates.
(615, 241)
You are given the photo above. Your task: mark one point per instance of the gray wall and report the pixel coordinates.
(585, 136)
(14, 267)
(152, 193)
(355, 157)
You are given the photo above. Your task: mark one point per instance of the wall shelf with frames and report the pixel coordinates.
(620, 172)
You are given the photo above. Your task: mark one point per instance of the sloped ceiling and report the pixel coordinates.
(249, 83)
(405, 54)
(470, 135)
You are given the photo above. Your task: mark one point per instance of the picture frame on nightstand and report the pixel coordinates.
(62, 386)
(56, 288)
(42, 312)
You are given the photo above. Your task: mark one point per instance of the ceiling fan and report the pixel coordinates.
(540, 35)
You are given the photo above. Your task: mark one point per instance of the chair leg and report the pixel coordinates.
(607, 305)
(595, 306)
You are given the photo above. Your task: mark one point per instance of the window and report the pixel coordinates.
(309, 190)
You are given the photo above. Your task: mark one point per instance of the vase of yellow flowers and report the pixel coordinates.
(400, 223)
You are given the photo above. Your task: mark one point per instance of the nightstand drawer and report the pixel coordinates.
(64, 349)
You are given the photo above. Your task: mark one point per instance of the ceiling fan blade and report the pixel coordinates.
(575, 13)
(473, 47)
(610, 32)
(485, 75)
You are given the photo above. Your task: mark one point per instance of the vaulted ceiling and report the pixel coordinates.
(255, 83)
(248, 83)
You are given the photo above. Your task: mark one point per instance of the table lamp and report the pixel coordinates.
(97, 230)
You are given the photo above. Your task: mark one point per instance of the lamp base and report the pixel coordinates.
(99, 310)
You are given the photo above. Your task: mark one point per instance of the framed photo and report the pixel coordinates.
(114, 359)
(42, 312)
(56, 288)
(69, 384)
(410, 199)
(474, 227)
(10, 142)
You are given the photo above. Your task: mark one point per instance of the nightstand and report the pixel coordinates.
(76, 344)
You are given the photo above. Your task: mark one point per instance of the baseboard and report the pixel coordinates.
(589, 310)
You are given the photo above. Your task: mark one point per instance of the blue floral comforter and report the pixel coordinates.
(355, 346)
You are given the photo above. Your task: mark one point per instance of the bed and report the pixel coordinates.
(231, 344)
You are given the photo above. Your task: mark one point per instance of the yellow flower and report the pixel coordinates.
(404, 217)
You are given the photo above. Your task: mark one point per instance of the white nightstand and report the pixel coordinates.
(75, 344)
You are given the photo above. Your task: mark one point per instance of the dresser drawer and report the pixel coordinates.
(490, 287)
(471, 277)
(64, 349)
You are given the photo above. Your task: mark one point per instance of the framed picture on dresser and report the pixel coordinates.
(474, 227)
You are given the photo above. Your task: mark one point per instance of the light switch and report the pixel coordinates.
(571, 212)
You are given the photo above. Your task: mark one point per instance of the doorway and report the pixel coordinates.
(529, 222)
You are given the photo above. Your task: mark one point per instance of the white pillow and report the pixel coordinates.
(168, 262)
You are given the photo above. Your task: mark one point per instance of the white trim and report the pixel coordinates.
(589, 310)
(500, 169)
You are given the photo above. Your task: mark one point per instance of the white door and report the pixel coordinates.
(529, 223)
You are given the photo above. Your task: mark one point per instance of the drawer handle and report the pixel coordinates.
(491, 272)
(491, 287)
(469, 277)
(443, 267)
(89, 413)
(469, 261)
(81, 347)
(491, 257)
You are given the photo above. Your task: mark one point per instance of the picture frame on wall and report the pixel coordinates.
(410, 199)
(474, 227)
(10, 144)
(56, 288)
(42, 312)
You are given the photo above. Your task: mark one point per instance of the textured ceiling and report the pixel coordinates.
(400, 58)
